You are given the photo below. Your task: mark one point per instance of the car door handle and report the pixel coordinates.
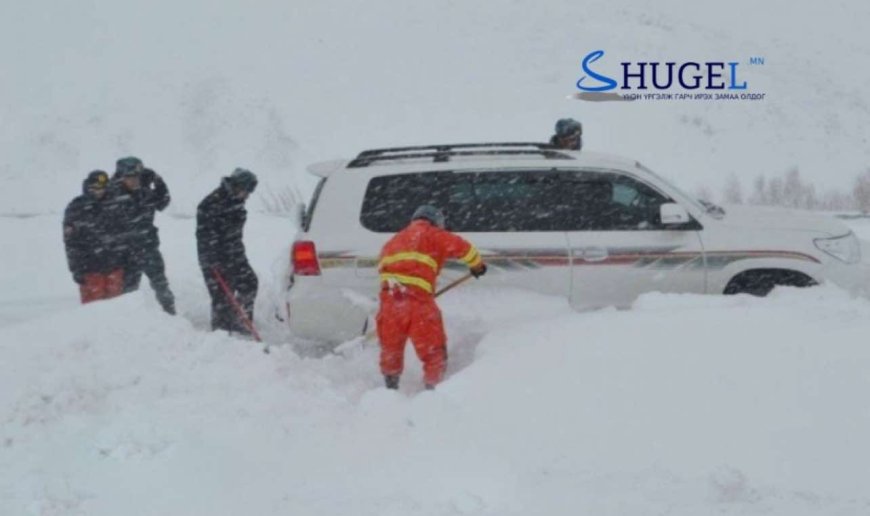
(594, 254)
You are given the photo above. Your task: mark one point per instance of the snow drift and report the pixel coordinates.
(686, 404)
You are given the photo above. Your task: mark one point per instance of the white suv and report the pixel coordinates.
(597, 229)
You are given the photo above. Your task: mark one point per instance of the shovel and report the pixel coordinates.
(371, 333)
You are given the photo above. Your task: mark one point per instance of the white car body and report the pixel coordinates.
(591, 268)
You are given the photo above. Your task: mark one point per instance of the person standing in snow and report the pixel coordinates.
(220, 221)
(89, 236)
(138, 194)
(409, 265)
(569, 135)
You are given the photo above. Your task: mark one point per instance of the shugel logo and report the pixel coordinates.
(669, 75)
(590, 58)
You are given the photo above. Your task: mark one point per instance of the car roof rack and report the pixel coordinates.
(443, 153)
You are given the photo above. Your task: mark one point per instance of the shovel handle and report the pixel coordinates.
(231, 298)
(455, 283)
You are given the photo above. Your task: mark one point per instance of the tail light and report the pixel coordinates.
(304, 257)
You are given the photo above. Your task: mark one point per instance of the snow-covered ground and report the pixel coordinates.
(684, 405)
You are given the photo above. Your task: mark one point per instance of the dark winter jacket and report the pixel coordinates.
(220, 221)
(554, 141)
(136, 208)
(90, 235)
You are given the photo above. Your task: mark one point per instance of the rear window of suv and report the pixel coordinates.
(515, 200)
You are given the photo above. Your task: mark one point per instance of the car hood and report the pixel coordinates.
(754, 217)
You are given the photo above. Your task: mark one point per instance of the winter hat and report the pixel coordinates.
(128, 166)
(430, 213)
(568, 127)
(244, 179)
(97, 178)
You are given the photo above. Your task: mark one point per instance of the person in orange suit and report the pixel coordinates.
(409, 265)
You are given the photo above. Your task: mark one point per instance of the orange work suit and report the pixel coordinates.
(409, 265)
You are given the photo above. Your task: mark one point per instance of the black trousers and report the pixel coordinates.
(148, 260)
(242, 283)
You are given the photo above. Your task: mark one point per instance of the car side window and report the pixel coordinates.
(515, 200)
(487, 201)
(502, 201)
(613, 202)
(390, 201)
(624, 194)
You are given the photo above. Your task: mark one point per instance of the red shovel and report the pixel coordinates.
(246, 322)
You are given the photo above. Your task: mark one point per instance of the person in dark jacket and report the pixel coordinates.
(138, 194)
(569, 134)
(89, 236)
(220, 221)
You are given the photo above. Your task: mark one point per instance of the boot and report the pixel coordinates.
(392, 381)
(166, 300)
(430, 387)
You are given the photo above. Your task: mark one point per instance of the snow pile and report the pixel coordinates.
(686, 404)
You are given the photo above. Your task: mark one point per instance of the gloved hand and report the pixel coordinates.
(147, 177)
(478, 271)
(78, 277)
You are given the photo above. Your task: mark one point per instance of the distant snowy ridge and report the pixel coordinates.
(276, 88)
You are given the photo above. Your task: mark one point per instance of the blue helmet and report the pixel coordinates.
(430, 213)
(568, 127)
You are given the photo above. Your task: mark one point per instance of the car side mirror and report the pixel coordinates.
(672, 213)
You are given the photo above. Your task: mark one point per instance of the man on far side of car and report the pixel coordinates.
(220, 221)
(409, 265)
(569, 135)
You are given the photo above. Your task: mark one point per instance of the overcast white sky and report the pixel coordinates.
(197, 88)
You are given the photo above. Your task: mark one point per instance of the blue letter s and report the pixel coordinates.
(609, 83)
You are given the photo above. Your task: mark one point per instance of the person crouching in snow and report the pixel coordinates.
(409, 265)
(220, 221)
(89, 236)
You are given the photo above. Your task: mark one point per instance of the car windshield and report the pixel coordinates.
(695, 203)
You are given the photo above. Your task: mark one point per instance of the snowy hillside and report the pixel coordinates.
(196, 90)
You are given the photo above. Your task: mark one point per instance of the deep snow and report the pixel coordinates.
(683, 405)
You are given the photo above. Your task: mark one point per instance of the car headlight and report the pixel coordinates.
(844, 248)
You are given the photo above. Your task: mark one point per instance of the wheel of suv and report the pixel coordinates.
(760, 282)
